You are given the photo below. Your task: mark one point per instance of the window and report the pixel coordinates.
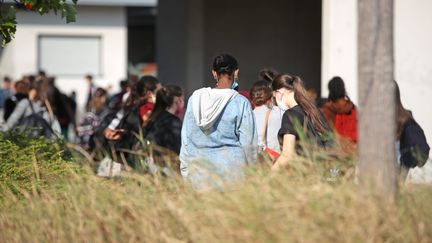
(70, 55)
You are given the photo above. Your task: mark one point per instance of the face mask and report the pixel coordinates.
(179, 112)
(281, 104)
(153, 99)
(235, 84)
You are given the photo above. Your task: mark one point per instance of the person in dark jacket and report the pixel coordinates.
(413, 149)
(164, 127)
(22, 89)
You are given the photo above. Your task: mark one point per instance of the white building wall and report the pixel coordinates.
(339, 45)
(413, 49)
(413, 52)
(21, 56)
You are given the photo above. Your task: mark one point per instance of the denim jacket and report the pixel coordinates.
(216, 152)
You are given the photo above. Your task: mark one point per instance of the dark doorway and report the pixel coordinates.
(283, 34)
(141, 35)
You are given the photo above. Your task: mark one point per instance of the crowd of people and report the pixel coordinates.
(211, 139)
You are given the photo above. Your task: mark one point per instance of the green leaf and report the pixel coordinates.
(8, 20)
(11, 13)
(8, 26)
(70, 12)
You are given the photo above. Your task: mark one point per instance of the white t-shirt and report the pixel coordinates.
(274, 124)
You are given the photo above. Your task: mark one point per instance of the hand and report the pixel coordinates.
(113, 134)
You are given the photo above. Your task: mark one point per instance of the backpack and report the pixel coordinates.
(97, 138)
(87, 127)
(414, 148)
(34, 125)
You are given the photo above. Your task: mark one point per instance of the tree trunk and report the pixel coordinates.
(377, 126)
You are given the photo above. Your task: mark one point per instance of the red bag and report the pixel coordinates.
(270, 152)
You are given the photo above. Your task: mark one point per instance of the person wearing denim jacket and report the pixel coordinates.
(218, 135)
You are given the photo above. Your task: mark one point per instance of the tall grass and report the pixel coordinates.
(305, 203)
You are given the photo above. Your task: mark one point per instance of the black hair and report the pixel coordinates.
(267, 74)
(42, 73)
(336, 88)
(139, 91)
(225, 64)
(165, 98)
(7, 79)
(124, 84)
(260, 93)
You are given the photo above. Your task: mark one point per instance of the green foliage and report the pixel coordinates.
(8, 26)
(8, 22)
(31, 164)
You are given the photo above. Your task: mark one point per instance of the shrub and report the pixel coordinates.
(30, 164)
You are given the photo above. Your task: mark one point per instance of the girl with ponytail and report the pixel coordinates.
(164, 127)
(300, 112)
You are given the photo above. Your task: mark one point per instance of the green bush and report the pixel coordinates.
(31, 164)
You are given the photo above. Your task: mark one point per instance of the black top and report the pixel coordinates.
(165, 131)
(11, 103)
(293, 123)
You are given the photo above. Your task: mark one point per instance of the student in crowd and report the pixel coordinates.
(116, 101)
(412, 147)
(339, 111)
(123, 130)
(91, 90)
(219, 132)
(268, 116)
(62, 106)
(300, 112)
(267, 74)
(5, 93)
(21, 92)
(164, 127)
(93, 118)
(35, 104)
(142, 98)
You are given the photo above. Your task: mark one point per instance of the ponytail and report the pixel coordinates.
(165, 99)
(295, 84)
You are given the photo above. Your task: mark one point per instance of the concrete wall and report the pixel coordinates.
(413, 49)
(20, 57)
(413, 52)
(339, 44)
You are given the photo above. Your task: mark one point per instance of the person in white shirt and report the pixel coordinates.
(268, 116)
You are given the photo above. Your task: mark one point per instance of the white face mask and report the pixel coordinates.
(153, 99)
(281, 104)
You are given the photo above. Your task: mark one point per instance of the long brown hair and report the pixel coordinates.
(295, 84)
(139, 91)
(165, 99)
(402, 114)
